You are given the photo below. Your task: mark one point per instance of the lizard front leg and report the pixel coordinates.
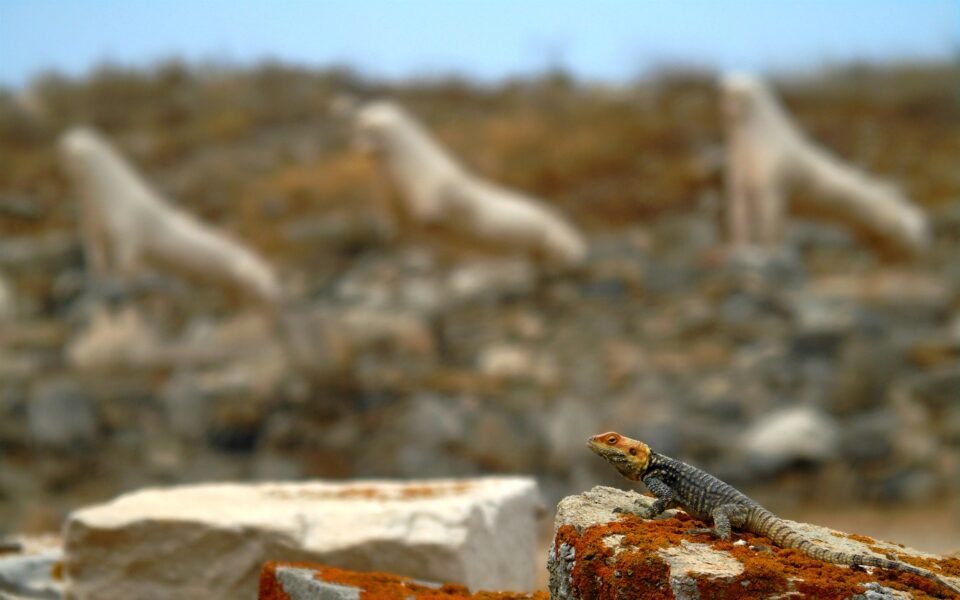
(666, 498)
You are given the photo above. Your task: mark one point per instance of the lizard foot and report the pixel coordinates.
(643, 513)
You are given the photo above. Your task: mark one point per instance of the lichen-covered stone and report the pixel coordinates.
(209, 541)
(600, 552)
(303, 581)
(298, 582)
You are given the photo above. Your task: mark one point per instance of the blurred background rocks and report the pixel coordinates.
(821, 368)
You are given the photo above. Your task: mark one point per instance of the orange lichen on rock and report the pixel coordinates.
(599, 573)
(406, 492)
(270, 588)
(380, 586)
(949, 565)
(855, 537)
(633, 568)
(56, 571)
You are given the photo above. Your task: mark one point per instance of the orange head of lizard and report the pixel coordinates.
(628, 456)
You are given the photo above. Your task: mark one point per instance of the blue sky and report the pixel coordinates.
(484, 39)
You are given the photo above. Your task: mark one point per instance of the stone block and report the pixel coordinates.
(29, 568)
(209, 541)
(303, 581)
(598, 553)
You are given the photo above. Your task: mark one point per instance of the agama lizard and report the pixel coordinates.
(704, 497)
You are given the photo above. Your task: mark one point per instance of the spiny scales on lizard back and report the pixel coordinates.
(703, 496)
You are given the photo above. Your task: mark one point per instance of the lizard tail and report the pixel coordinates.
(786, 536)
(883, 563)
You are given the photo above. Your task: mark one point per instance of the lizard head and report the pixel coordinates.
(629, 457)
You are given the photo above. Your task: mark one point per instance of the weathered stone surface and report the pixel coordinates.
(792, 435)
(304, 581)
(17, 366)
(37, 253)
(491, 280)
(7, 304)
(516, 363)
(114, 340)
(210, 540)
(60, 414)
(186, 406)
(297, 582)
(29, 570)
(324, 341)
(600, 553)
(126, 339)
(917, 292)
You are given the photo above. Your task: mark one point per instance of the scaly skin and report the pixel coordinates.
(703, 496)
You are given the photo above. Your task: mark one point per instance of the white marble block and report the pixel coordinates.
(210, 541)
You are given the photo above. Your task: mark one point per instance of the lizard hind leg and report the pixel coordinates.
(724, 517)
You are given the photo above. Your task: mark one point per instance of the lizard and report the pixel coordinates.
(676, 484)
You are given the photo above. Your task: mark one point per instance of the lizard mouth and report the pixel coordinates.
(602, 451)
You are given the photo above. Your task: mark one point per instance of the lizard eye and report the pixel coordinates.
(612, 439)
(633, 451)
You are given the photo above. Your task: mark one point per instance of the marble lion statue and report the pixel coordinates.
(128, 226)
(436, 192)
(768, 157)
